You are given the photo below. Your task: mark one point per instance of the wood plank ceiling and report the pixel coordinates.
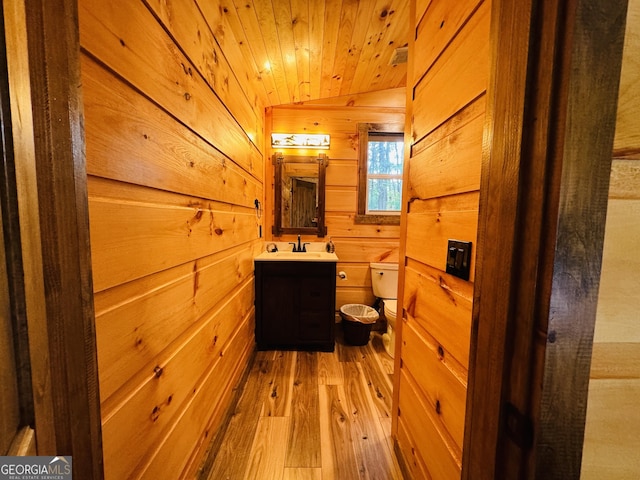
(301, 50)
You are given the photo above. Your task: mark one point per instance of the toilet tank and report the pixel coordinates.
(384, 279)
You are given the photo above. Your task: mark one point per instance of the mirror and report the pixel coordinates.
(299, 194)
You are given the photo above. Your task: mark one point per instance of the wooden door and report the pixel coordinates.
(303, 203)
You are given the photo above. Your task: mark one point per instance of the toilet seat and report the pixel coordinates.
(388, 339)
(390, 307)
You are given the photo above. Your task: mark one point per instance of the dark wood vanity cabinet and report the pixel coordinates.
(295, 305)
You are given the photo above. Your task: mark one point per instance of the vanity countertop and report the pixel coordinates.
(288, 256)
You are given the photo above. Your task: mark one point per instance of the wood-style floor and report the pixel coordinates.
(311, 415)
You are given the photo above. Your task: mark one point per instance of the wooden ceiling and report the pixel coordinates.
(300, 50)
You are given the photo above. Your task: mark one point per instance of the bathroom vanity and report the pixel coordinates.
(295, 300)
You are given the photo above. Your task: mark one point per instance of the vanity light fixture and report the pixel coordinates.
(300, 140)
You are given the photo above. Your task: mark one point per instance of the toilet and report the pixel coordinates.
(384, 280)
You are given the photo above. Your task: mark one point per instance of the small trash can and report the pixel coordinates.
(357, 321)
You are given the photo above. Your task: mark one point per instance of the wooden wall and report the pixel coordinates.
(356, 245)
(448, 74)
(9, 400)
(174, 159)
(611, 433)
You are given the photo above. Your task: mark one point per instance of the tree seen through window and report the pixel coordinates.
(385, 159)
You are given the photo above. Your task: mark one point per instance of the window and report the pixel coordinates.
(381, 160)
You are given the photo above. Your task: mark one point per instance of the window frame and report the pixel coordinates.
(363, 141)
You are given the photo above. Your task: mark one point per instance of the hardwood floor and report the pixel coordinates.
(311, 415)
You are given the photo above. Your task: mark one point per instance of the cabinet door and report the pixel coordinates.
(279, 322)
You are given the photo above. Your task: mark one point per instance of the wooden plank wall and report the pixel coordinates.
(356, 245)
(449, 67)
(611, 440)
(626, 143)
(174, 146)
(9, 399)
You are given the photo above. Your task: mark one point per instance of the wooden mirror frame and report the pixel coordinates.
(278, 230)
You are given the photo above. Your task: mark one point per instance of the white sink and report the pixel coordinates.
(297, 256)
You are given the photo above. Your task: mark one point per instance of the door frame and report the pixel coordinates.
(545, 176)
(54, 272)
(551, 181)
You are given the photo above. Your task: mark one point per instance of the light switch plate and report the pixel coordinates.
(459, 258)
